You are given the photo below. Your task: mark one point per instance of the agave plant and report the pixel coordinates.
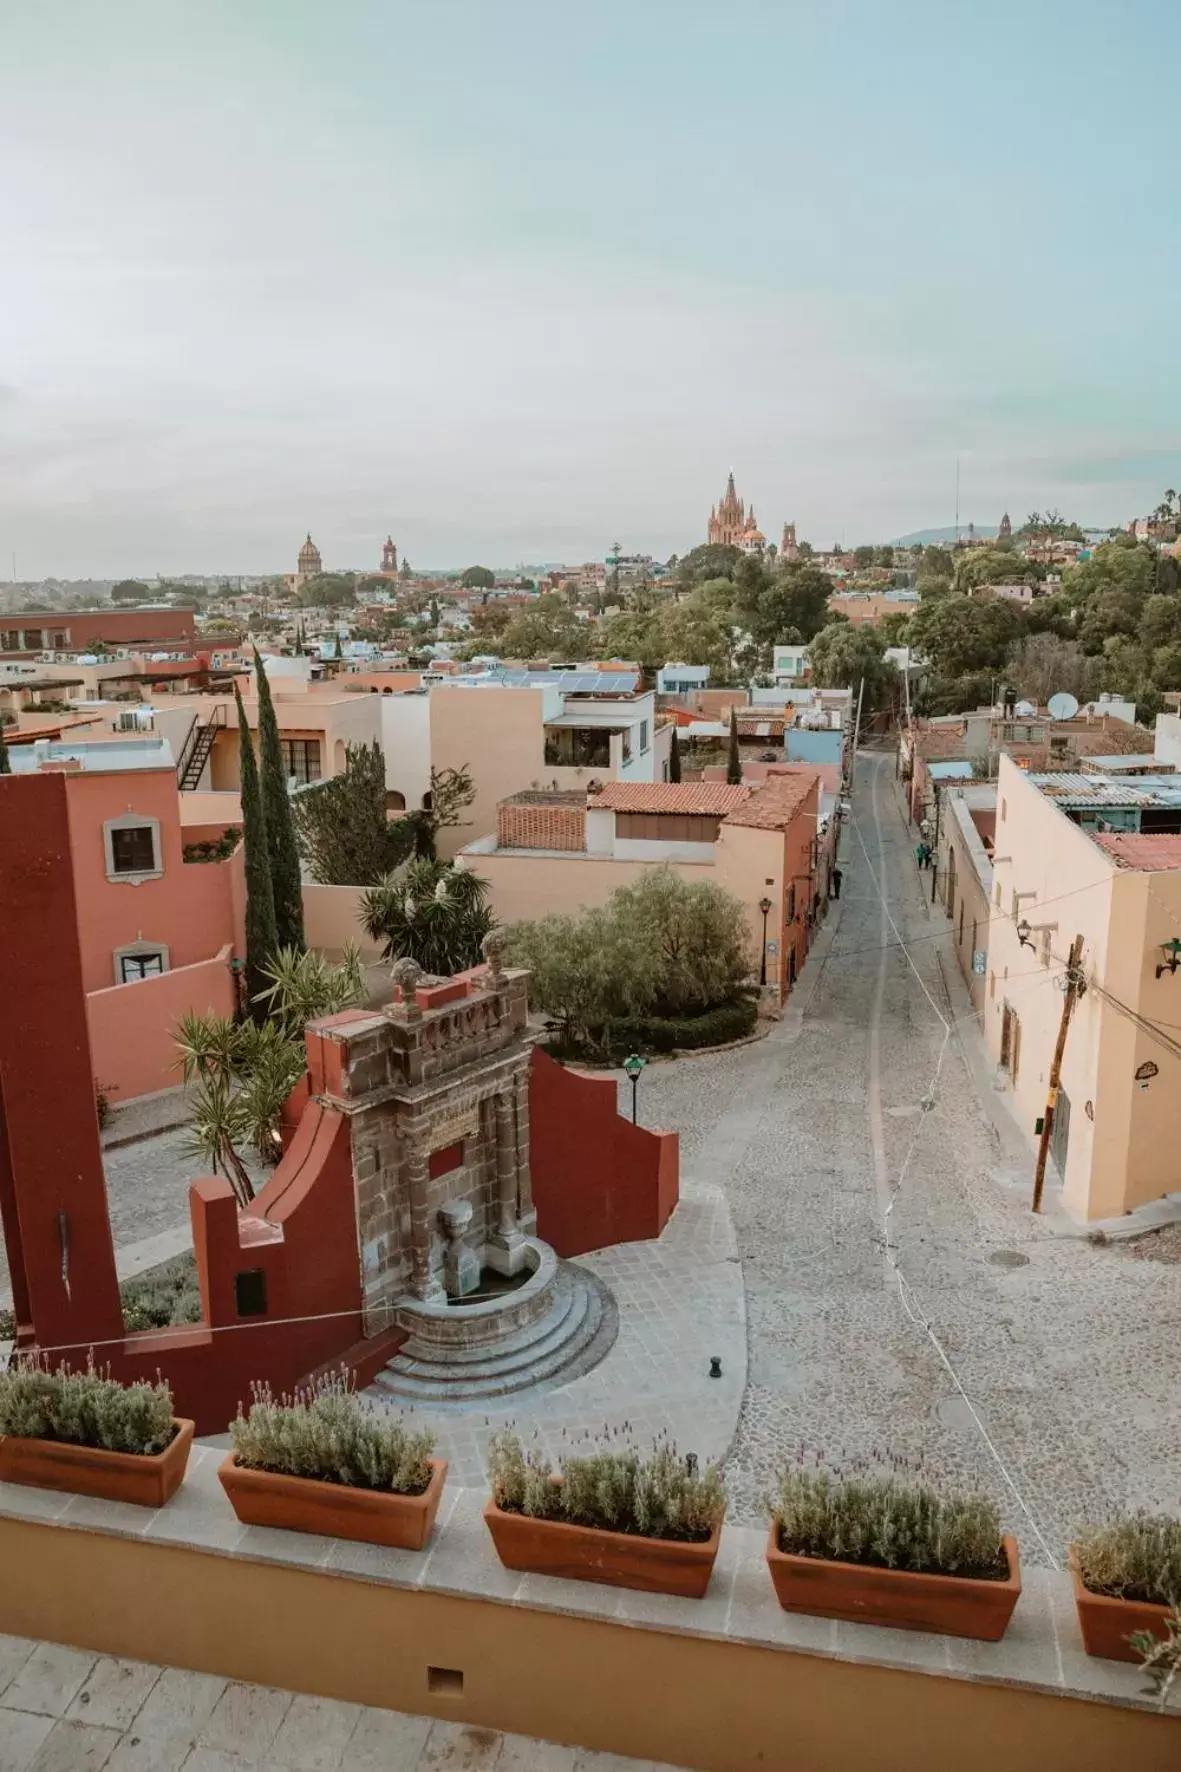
(431, 912)
(305, 986)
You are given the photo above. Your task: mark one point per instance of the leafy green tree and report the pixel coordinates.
(262, 939)
(130, 590)
(843, 655)
(767, 604)
(328, 590)
(478, 578)
(733, 754)
(711, 560)
(674, 756)
(958, 634)
(884, 556)
(343, 828)
(282, 843)
(431, 912)
(863, 558)
(659, 948)
(1042, 665)
(551, 631)
(994, 566)
(1160, 622)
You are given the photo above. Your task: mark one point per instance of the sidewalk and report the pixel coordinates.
(65, 1710)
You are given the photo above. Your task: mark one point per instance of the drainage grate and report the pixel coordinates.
(1008, 1258)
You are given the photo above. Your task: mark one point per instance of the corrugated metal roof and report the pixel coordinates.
(1145, 854)
(701, 797)
(1095, 790)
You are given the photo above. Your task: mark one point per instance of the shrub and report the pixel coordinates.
(328, 1433)
(661, 1495)
(215, 849)
(164, 1297)
(888, 1522)
(84, 1408)
(7, 1326)
(661, 949)
(1134, 1558)
(729, 1021)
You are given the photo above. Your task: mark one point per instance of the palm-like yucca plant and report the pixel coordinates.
(305, 986)
(241, 1073)
(431, 912)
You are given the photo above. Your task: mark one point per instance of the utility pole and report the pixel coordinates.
(1074, 987)
(856, 733)
(935, 848)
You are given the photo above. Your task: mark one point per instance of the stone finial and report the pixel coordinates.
(492, 947)
(405, 974)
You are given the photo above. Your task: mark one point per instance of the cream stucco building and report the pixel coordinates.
(1057, 874)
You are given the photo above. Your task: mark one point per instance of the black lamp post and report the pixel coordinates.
(765, 907)
(633, 1065)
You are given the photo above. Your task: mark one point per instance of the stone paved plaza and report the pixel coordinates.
(63, 1710)
(1066, 1351)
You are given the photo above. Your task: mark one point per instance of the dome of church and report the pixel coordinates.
(309, 556)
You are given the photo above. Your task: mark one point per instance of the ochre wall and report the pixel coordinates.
(131, 1043)
(597, 1179)
(700, 1702)
(496, 733)
(331, 920)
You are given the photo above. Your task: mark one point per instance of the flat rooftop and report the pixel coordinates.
(97, 758)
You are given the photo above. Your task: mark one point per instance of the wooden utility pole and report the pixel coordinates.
(1073, 991)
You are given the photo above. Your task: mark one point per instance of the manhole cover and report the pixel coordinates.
(1008, 1258)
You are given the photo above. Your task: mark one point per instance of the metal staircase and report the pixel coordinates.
(197, 746)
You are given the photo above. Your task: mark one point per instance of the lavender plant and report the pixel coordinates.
(327, 1432)
(896, 1520)
(1135, 1557)
(655, 1495)
(84, 1408)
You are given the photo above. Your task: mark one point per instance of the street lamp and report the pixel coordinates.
(633, 1065)
(1172, 957)
(765, 907)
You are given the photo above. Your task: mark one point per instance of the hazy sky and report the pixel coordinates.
(514, 279)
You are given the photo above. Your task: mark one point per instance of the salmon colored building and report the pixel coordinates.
(565, 849)
(157, 934)
(55, 630)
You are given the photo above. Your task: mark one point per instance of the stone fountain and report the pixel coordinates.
(446, 1225)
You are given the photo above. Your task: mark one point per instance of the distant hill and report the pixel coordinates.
(985, 531)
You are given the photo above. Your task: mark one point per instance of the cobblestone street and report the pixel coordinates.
(1066, 1352)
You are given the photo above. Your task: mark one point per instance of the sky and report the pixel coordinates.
(513, 281)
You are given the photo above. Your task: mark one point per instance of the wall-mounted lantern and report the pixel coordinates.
(1171, 950)
(1025, 933)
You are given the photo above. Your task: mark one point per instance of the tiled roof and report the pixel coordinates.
(773, 806)
(703, 797)
(1146, 854)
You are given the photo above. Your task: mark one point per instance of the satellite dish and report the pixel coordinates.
(1026, 709)
(1063, 706)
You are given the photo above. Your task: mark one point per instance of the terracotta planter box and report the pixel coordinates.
(586, 1553)
(1107, 1623)
(304, 1504)
(953, 1605)
(145, 1479)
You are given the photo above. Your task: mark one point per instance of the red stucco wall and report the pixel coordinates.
(597, 1179)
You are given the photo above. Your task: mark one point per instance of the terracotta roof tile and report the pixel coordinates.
(703, 797)
(773, 806)
(1145, 853)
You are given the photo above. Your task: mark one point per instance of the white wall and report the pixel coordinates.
(1167, 742)
(406, 742)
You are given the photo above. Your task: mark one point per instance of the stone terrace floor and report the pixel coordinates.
(63, 1710)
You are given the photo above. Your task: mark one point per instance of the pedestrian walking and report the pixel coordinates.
(836, 882)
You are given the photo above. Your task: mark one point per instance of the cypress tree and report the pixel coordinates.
(261, 936)
(674, 758)
(282, 844)
(734, 755)
(5, 765)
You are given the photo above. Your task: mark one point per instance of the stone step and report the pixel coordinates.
(559, 1324)
(572, 1337)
